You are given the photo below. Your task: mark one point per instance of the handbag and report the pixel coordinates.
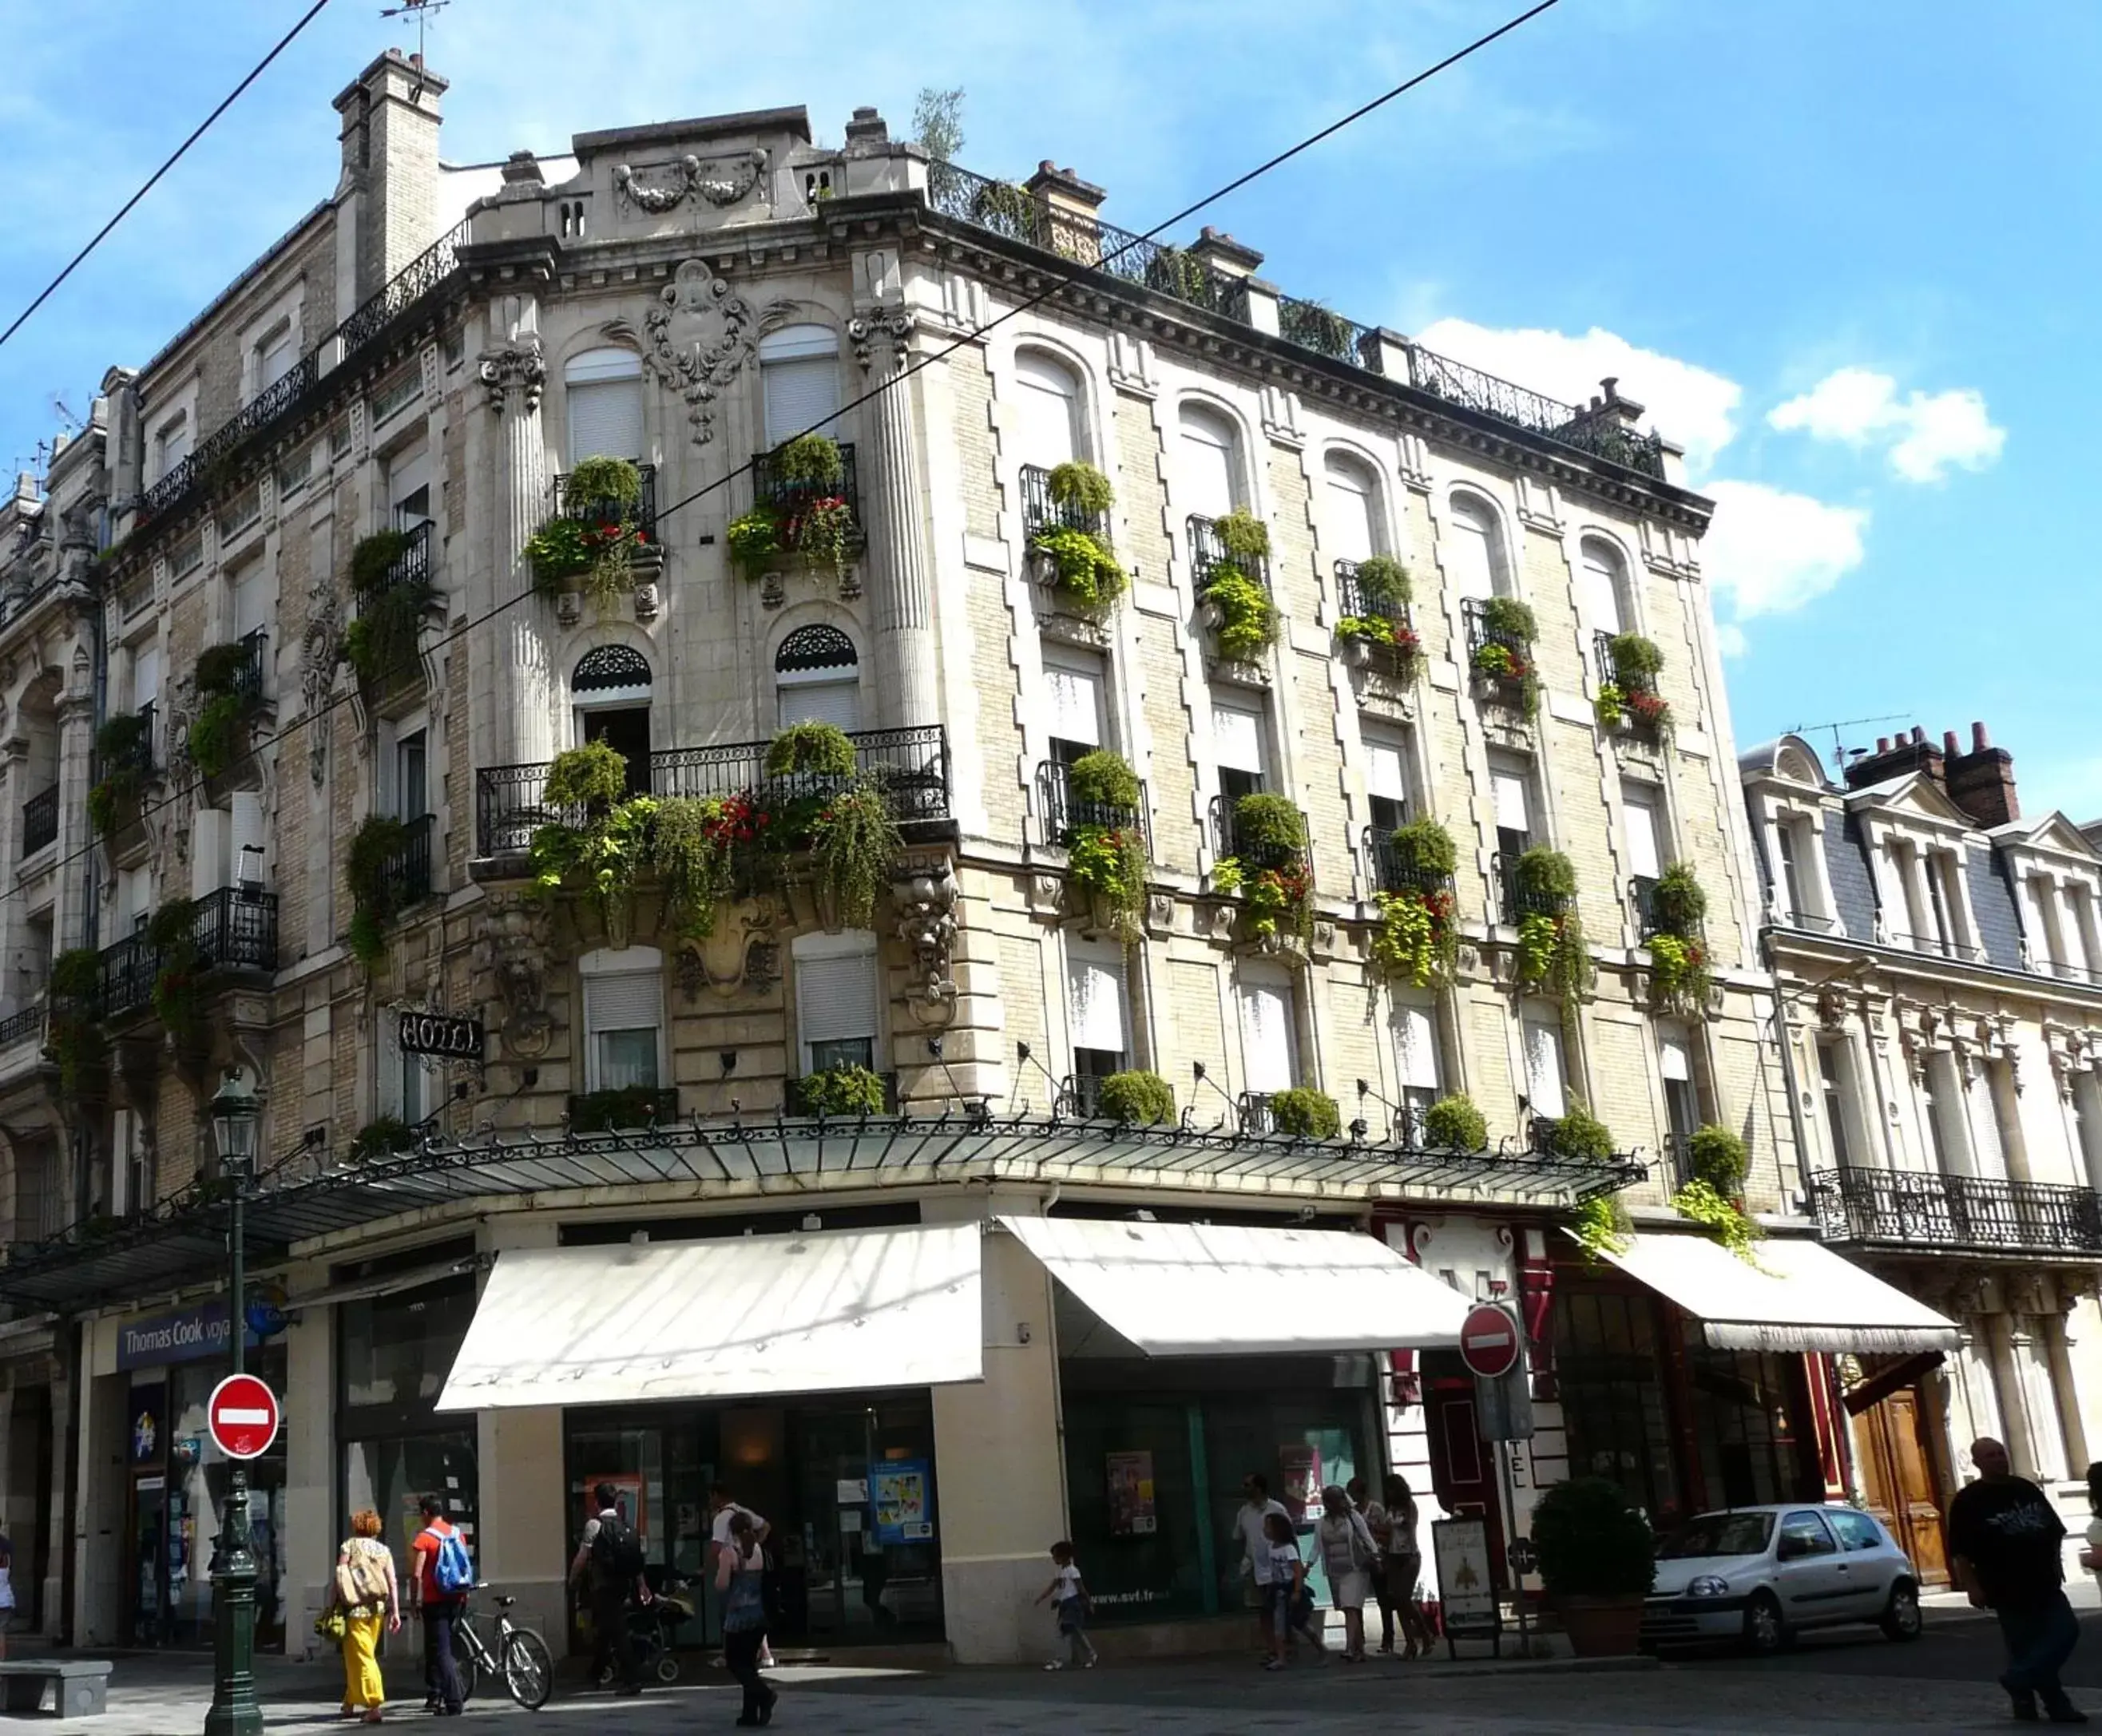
(331, 1624)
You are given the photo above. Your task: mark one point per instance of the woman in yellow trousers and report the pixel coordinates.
(369, 1595)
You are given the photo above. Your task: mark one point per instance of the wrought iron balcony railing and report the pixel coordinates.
(427, 271)
(1594, 432)
(1389, 872)
(1628, 680)
(1229, 838)
(412, 566)
(912, 765)
(248, 678)
(643, 517)
(1642, 896)
(788, 497)
(174, 485)
(629, 1107)
(19, 1027)
(1314, 327)
(1062, 812)
(1041, 511)
(1353, 598)
(233, 928)
(1926, 1209)
(1516, 902)
(1474, 612)
(40, 820)
(407, 871)
(1940, 945)
(1252, 1112)
(1207, 551)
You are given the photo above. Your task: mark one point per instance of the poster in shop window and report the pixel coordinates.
(1131, 1495)
(629, 1503)
(1466, 1591)
(898, 1491)
(1300, 1462)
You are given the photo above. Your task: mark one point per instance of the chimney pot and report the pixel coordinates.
(1044, 166)
(1918, 734)
(1883, 744)
(1611, 386)
(1949, 743)
(1978, 743)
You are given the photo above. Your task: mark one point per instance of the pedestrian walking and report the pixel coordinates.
(1067, 1595)
(607, 1568)
(7, 1591)
(1289, 1603)
(1347, 1554)
(370, 1598)
(441, 1576)
(2090, 1557)
(1392, 1522)
(722, 1511)
(740, 1576)
(1250, 1521)
(2004, 1540)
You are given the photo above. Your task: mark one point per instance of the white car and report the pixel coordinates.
(1761, 1575)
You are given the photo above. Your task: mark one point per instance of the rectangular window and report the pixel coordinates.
(1682, 1103)
(132, 1171)
(1941, 1102)
(1645, 860)
(2086, 1122)
(1386, 782)
(1415, 1026)
(1074, 683)
(145, 675)
(249, 604)
(605, 419)
(836, 702)
(623, 1012)
(1095, 1007)
(836, 1004)
(275, 355)
(801, 394)
(171, 443)
(411, 788)
(1269, 1041)
(2078, 966)
(1545, 1086)
(403, 1084)
(396, 396)
(1791, 876)
(1237, 734)
(1934, 867)
(1835, 1085)
(1509, 790)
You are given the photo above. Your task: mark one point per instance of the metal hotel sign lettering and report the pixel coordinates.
(457, 1038)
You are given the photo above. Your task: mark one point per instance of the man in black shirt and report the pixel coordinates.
(2004, 1540)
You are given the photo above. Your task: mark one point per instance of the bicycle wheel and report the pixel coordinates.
(529, 1671)
(469, 1671)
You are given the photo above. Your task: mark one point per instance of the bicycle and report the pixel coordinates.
(527, 1671)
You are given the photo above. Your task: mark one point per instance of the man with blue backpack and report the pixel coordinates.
(443, 1575)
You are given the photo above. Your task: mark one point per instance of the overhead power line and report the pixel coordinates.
(1070, 272)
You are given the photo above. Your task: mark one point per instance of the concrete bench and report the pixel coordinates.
(79, 1687)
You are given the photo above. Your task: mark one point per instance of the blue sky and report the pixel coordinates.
(1845, 254)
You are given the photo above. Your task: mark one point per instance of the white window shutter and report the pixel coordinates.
(605, 419)
(1512, 810)
(1207, 464)
(279, 350)
(1386, 775)
(1599, 582)
(1095, 996)
(1674, 1058)
(1468, 561)
(625, 1000)
(835, 996)
(1415, 1046)
(801, 395)
(252, 607)
(1048, 400)
(145, 675)
(245, 828)
(835, 702)
(1269, 1041)
(1237, 734)
(1351, 530)
(1076, 703)
(1543, 1069)
(1642, 855)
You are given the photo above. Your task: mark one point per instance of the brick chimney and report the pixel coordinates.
(1982, 782)
(387, 200)
(1895, 756)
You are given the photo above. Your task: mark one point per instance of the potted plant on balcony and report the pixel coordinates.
(1379, 632)
(74, 1036)
(1452, 1123)
(854, 842)
(1304, 1113)
(1679, 979)
(1136, 1098)
(1628, 696)
(600, 857)
(372, 872)
(122, 747)
(1107, 856)
(379, 644)
(1417, 940)
(844, 1090)
(1238, 603)
(810, 518)
(704, 849)
(1072, 554)
(619, 1106)
(383, 1136)
(1597, 1560)
(1713, 1195)
(1578, 1136)
(1503, 660)
(228, 694)
(1269, 872)
(590, 546)
(1552, 957)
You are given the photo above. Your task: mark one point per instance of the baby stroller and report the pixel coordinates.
(655, 1627)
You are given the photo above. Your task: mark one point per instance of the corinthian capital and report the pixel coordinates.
(890, 329)
(518, 367)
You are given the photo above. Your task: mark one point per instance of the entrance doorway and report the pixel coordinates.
(610, 688)
(1897, 1478)
(1463, 1466)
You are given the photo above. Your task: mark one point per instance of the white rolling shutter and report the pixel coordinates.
(1643, 857)
(1543, 1068)
(1351, 530)
(835, 702)
(1269, 1039)
(605, 419)
(1095, 996)
(145, 675)
(1237, 734)
(210, 837)
(1415, 1046)
(1599, 582)
(1674, 1059)
(1470, 552)
(251, 601)
(835, 996)
(1047, 401)
(623, 1000)
(1512, 810)
(1386, 774)
(279, 350)
(1208, 462)
(802, 396)
(1077, 701)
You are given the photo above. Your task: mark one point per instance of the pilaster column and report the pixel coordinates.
(76, 716)
(2066, 1387)
(514, 374)
(14, 759)
(901, 586)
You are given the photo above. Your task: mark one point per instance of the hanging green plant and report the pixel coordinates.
(838, 1091)
(1384, 586)
(755, 541)
(1636, 662)
(695, 847)
(73, 1030)
(823, 533)
(1602, 1227)
(1424, 846)
(1452, 1123)
(810, 750)
(1087, 570)
(1544, 877)
(1269, 870)
(380, 644)
(810, 461)
(1716, 1156)
(593, 778)
(1506, 618)
(1610, 707)
(1699, 1202)
(1268, 828)
(852, 846)
(372, 560)
(228, 694)
(1679, 979)
(1553, 958)
(604, 855)
(1243, 536)
(1111, 862)
(605, 488)
(1247, 618)
(381, 1136)
(178, 992)
(1504, 657)
(1080, 487)
(372, 870)
(1304, 1113)
(1102, 778)
(1136, 1098)
(1678, 902)
(123, 749)
(590, 546)
(1416, 941)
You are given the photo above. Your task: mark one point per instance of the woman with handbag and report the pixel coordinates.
(1347, 1554)
(366, 1595)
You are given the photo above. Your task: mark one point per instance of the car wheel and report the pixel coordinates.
(1765, 1632)
(1901, 1618)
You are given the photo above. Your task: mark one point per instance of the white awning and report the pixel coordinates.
(739, 1317)
(1791, 1295)
(1213, 1290)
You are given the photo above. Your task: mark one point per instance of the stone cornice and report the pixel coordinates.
(1899, 962)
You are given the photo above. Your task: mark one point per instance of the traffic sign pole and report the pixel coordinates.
(234, 1710)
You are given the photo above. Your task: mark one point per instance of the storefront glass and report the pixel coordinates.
(1607, 1368)
(1751, 1423)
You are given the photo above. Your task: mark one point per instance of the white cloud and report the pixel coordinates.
(1730, 639)
(1926, 434)
(1692, 406)
(1771, 552)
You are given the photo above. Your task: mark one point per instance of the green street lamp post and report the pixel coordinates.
(234, 1710)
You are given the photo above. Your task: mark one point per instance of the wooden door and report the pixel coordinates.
(1897, 1478)
(1463, 1466)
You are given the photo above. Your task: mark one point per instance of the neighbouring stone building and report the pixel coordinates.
(1262, 701)
(1940, 968)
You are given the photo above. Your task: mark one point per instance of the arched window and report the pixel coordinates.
(1211, 462)
(604, 392)
(609, 689)
(1352, 522)
(799, 366)
(1603, 584)
(1049, 405)
(1475, 557)
(817, 678)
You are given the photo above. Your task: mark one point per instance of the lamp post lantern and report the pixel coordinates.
(234, 1710)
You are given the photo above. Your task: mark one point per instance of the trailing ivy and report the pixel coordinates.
(1269, 871)
(73, 1030)
(603, 856)
(1111, 862)
(178, 992)
(223, 707)
(1089, 573)
(1304, 1113)
(590, 546)
(1102, 778)
(1716, 1156)
(1602, 1227)
(1452, 1123)
(122, 746)
(1552, 957)
(1384, 591)
(371, 869)
(380, 644)
(853, 845)
(1136, 1098)
(695, 846)
(1679, 978)
(1699, 1202)
(1081, 488)
(1417, 940)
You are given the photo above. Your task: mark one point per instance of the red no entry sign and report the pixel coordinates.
(242, 1416)
(1489, 1341)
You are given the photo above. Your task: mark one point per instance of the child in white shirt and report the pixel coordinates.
(1068, 1597)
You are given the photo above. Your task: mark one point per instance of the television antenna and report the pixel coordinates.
(1838, 751)
(421, 10)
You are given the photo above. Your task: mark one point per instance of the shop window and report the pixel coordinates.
(609, 689)
(1100, 1022)
(1352, 522)
(1609, 1362)
(1237, 736)
(836, 1014)
(1545, 1082)
(1210, 461)
(603, 389)
(1049, 405)
(1474, 551)
(623, 1018)
(1269, 1031)
(1074, 682)
(1386, 779)
(817, 679)
(798, 368)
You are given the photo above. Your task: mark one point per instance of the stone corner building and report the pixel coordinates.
(544, 1198)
